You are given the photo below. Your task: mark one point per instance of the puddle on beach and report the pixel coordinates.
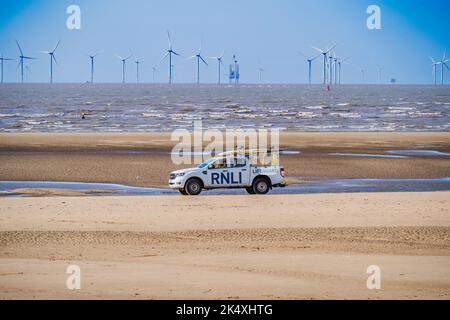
(369, 155)
(36, 188)
(419, 152)
(395, 154)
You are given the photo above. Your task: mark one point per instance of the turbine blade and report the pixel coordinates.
(315, 57)
(31, 58)
(168, 39)
(46, 52)
(318, 50)
(53, 56)
(203, 60)
(20, 49)
(301, 53)
(56, 47)
(332, 47)
(176, 53)
(163, 58)
(191, 57)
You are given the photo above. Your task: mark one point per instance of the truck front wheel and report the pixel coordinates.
(193, 187)
(183, 192)
(260, 186)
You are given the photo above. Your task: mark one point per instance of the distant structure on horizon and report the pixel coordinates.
(234, 71)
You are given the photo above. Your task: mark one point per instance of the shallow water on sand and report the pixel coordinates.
(145, 107)
(12, 188)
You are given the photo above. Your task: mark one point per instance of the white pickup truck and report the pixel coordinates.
(233, 171)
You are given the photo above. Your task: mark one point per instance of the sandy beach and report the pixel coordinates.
(223, 247)
(227, 247)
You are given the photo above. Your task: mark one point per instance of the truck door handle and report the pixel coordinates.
(225, 171)
(204, 172)
(244, 169)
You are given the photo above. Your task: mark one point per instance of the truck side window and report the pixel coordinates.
(237, 163)
(219, 164)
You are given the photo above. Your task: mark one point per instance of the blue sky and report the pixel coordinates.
(271, 32)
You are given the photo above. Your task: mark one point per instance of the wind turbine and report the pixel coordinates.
(363, 74)
(433, 65)
(379, 73)
(309, 60)
(330, 68)
(137, 69)
(443, 63)
(199, 58)
(52, 58)
(324, 53)
(219, 63)
(2, 59)
(340, 62)
(124, 60)
(169, 53)
(154, 71)
(22, 57)
(27, 72)
(92, 64)
(261, 70)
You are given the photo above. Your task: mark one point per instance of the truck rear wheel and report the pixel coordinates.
(193, 187)
(260, 186)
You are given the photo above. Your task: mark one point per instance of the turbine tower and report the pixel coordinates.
(137, 69)
(21, 58)
(219, 63)
(169, 53)
(309, 60)
(124, 60)
(340, 62)
(199, 58)
(92, 57)
(324, 53)
(27, 72)
(443, 64)
(335, 60)
(2, 59)
(261, 70)
(52, 58)
(379, 73)
(433, 65)
(154, 71)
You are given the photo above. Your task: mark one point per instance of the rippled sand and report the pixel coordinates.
(227, 247)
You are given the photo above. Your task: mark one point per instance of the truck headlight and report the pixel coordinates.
(180, 174)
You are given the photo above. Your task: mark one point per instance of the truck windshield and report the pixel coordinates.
(206, 163)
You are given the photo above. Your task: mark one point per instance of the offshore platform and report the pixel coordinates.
(234, 71)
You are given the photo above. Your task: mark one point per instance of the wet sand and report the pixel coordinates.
(227, 247)
(141, 159)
